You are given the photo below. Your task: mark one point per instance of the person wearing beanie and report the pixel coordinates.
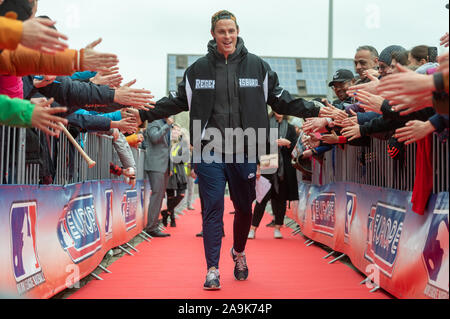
(385, 59)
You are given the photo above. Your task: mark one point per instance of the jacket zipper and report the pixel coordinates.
(228, 94)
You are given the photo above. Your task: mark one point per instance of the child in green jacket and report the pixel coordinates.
(22, 113)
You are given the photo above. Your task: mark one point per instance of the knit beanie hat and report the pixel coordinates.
(16, 9)
(386, 54)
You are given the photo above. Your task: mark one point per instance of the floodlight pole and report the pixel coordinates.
(330, 48)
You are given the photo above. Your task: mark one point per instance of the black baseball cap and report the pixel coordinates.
(342, 75)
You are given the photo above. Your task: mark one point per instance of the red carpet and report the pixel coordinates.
(175, 268)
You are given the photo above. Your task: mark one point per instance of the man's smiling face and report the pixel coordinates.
(226, 33)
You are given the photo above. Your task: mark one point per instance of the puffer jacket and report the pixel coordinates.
(23, 61)
(10, 33)
(15, 112)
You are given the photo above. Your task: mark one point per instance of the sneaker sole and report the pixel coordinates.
(211, 288)
(240, 279)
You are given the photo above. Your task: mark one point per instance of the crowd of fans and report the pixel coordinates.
(399, 95)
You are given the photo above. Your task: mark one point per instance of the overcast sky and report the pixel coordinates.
(143, 32)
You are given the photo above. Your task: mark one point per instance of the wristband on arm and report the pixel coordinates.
(342, 139)
(438, 80)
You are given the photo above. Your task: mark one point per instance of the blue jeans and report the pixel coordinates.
(212, 179)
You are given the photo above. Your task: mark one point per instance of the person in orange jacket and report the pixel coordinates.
(24, 61)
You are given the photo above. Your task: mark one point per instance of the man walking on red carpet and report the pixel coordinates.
(225, 92)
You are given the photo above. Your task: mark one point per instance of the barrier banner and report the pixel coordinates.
(404, 253)
(53, 236)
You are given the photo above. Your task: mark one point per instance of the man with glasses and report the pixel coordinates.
(342, 80)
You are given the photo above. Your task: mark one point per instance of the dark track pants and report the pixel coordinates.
(212, 179)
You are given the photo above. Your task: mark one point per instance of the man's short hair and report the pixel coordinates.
(369, 48)
(222, 14)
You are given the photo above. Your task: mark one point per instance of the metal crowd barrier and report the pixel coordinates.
(12, 160)
(373, 166)
(364, 165)
(67, 163)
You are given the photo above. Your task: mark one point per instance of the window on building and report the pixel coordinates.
(182, 61)
(298, 63)
(301, 87)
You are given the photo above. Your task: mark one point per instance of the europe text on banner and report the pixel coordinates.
(323, 213)
(384, 236)
(78, 228)
(53, 236)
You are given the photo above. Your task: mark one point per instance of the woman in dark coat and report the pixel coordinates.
(284, 181)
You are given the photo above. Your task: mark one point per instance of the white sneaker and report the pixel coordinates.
(212, 281)
(251, 234)
(277, 234)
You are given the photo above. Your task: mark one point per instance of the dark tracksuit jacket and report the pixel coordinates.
(224, 93)
(246, 81)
